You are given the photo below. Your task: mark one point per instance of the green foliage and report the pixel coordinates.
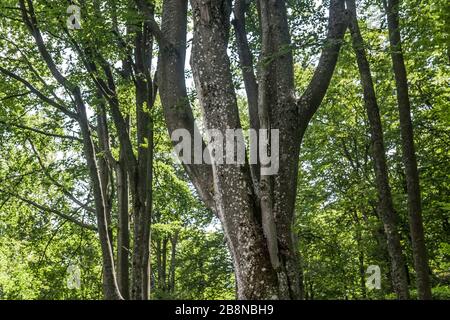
(42, 169)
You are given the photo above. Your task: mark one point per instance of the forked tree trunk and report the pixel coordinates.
(258, 229)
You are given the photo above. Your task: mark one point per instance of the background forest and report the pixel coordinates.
(48, 222)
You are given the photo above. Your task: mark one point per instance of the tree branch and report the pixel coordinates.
(311, 99)
(47, 209)
(39, 94)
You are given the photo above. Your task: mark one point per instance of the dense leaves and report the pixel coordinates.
(47, 223)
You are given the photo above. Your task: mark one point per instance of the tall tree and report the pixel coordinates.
(258, 227)
(408, 151)
(386, 206)
(96, 72)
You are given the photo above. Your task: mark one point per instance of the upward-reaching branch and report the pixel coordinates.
(246, 61)
(50, 210)
(172, 85)
(39, 94)
(386, 206)
(110, 283)
(314, 93)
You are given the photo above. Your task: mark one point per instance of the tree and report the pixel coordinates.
(408, 151)
(256, 217)
(386, 206)
(99, 93)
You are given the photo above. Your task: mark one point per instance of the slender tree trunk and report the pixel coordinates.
(110, 287)
(158, 254)
(123, 233)
(248, 74)
(173, 263)
(164, 264)
(261, 242)
(386, 207)
(103, 164)
(362, 271)
(409, 155)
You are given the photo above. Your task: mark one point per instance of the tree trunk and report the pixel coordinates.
(142, 178)
(103, 164)
(261, 242)
(164, 264)
(173, 243)
(386, 207)
(110, 287)
(232, 184)
(159, 263)
(409, 155)
(123, 234)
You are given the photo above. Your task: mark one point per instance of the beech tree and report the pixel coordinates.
(94, 204)
(256, 212)
(132, 168)
(408, 150)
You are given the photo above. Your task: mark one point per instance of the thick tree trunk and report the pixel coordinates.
(386, 207)
(278, 110)
(232, 184)
(409, 155)
(261, 242)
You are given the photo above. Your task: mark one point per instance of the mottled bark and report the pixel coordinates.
(261, 242)
(408, 152)
(232, 183)
(278, 110)
(385, 203)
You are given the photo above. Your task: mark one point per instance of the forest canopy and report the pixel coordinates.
(340, 189)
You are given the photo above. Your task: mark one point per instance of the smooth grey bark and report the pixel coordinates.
(172, 87)
(105, 165)
(420, 254)
(386, 207)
